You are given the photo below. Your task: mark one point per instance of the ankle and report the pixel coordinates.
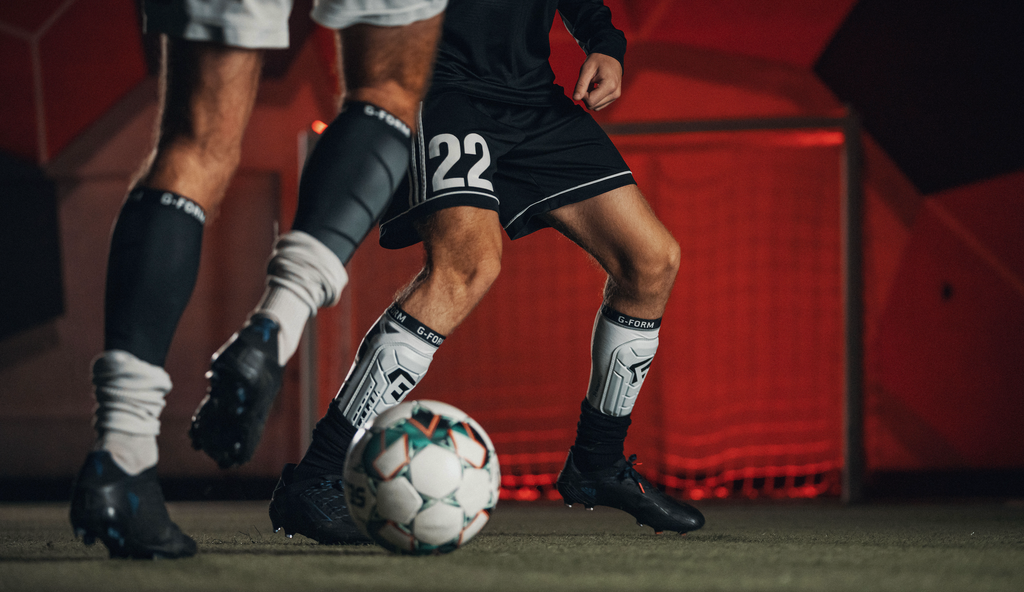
(133, 453)
(600, 439)
(326, 453)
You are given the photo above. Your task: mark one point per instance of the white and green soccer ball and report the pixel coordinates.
(421, 478)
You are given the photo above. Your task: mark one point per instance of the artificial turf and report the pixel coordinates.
(764, 546)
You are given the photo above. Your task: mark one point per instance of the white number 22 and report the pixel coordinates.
(454, 153)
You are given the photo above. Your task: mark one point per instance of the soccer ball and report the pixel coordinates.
(421, 478)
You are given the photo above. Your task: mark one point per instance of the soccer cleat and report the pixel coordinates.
(126, 512)
(314, 508)
(244, 379)
(621, 487)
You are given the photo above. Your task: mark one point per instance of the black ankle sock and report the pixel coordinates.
(326, 453)
(599, 438)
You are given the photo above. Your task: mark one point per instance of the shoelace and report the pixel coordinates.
(629, 472)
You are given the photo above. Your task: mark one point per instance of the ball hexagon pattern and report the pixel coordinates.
(421, 478)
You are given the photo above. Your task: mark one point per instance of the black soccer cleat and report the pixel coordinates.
(244, 379)
(314, 508)
(621, 487)
(126, 512)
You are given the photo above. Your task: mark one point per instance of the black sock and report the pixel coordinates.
(152, 269)
(326, 453)
(599, 438)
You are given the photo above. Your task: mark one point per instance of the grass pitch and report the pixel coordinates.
(784, 546)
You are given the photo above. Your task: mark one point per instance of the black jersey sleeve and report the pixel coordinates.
(590, 23)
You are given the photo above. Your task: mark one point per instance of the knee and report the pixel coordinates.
(651, 273)
(471, 278)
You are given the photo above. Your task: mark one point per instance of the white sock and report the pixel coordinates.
(130, 395)
(392, 358)
(132, 452)
(622, 348)
(303, 275)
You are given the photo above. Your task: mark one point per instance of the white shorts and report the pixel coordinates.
(263, 24)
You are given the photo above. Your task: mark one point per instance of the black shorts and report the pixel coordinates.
(520, 161)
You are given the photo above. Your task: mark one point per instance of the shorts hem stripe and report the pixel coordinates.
(553, 196)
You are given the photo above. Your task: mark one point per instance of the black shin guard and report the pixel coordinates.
(326, 453)
(599, 438)
(152, 269)
(350, 177)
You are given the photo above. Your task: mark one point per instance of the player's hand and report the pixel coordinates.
(600, 81)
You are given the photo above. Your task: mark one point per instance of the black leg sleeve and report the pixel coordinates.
(152, 269)
(350, 177)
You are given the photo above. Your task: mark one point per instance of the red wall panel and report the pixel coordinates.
(947, 382)
(17, 107)
(90, 58)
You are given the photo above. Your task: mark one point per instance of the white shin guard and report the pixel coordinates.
(392, 358)
(622, 349)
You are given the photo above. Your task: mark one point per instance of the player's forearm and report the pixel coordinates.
(590, 23)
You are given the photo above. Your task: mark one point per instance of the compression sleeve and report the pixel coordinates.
(590, 23)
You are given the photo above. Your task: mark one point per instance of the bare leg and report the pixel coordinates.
(352, 172)
(346, 185)
(390, 66)
(209, 93)
(619, 229)
(640, 256)
(463, 248)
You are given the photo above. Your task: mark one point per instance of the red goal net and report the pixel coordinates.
(744, 398)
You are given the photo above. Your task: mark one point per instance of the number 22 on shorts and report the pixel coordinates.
(472, 145)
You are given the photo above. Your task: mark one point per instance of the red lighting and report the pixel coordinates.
(319, 126)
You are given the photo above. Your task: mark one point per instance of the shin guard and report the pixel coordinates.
(391, 360)
(622, 350)
(351, 175)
